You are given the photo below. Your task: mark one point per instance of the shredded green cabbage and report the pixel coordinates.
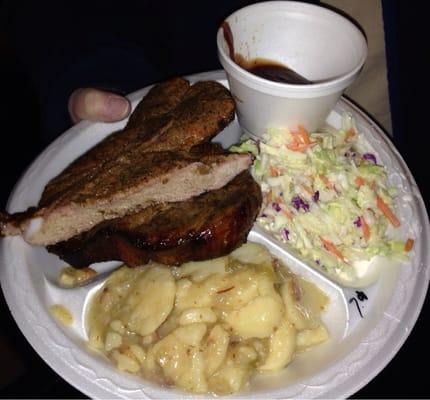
(320, 195)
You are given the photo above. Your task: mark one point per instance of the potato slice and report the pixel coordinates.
(180, 358)
(266, 285)
(117, 326)
(191, 334)
(150, 301)
(233, 373)
(282, 345)
(295, 314)
(112, 341)
(257, 319)
(198, 294)
(252, 253)
(126, 361)
(240, 288)
(138, 353)
(311, 337)
(198, 271)
(216, 349)
(197, 314)
(166, 327)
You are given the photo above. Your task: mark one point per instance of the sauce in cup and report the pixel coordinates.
(266, 69)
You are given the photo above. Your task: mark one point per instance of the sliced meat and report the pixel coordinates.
(172, 116)
(205, 110)
(210, 225)
(129, 184)
(161, 99)
(149, 161)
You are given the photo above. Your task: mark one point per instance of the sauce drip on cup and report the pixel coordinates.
(267, 69)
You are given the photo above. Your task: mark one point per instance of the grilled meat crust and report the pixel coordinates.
(172, 117)
(170, 120)
(159, 101)
(208, 226)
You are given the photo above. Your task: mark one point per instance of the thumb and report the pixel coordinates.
(97, 105)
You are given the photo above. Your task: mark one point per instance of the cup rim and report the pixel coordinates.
(339, 82)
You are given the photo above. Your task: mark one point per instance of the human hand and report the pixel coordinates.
(97, 105)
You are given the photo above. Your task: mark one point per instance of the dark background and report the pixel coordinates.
(23, 125)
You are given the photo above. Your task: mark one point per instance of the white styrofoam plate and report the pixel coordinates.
(360, 346)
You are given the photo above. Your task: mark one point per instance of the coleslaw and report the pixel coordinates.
(326, 195)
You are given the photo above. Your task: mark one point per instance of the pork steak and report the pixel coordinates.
(149, 161)
(210, 225)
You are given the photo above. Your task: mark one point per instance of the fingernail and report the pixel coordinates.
(117, 107)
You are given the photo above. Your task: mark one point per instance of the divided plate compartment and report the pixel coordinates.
(365, 331)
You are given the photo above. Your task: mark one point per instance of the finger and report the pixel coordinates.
(97, 105)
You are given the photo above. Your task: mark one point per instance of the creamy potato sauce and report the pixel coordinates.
(206, 326)
(72, 277)
(61, 314)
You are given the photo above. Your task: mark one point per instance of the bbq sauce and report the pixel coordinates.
(273, 71)
(267, 69)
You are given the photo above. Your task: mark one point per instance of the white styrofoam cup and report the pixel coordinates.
(318, 43)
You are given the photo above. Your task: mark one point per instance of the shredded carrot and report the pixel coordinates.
(365, 228)
(307, 189)
(409, 244)
(359, 181)
(295, 138)
(301, 140)
(269, 196)
(326, 181)
(386, 210)
(304, 135)
(297, 147)
(350, 134)
(287, 213)
(274, 171)
(330, 247)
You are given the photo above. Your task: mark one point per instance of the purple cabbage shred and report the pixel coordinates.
(369, 157)
(276, 207)
(285, 234)
(316, 196)
(357, 222)
(298, 203)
